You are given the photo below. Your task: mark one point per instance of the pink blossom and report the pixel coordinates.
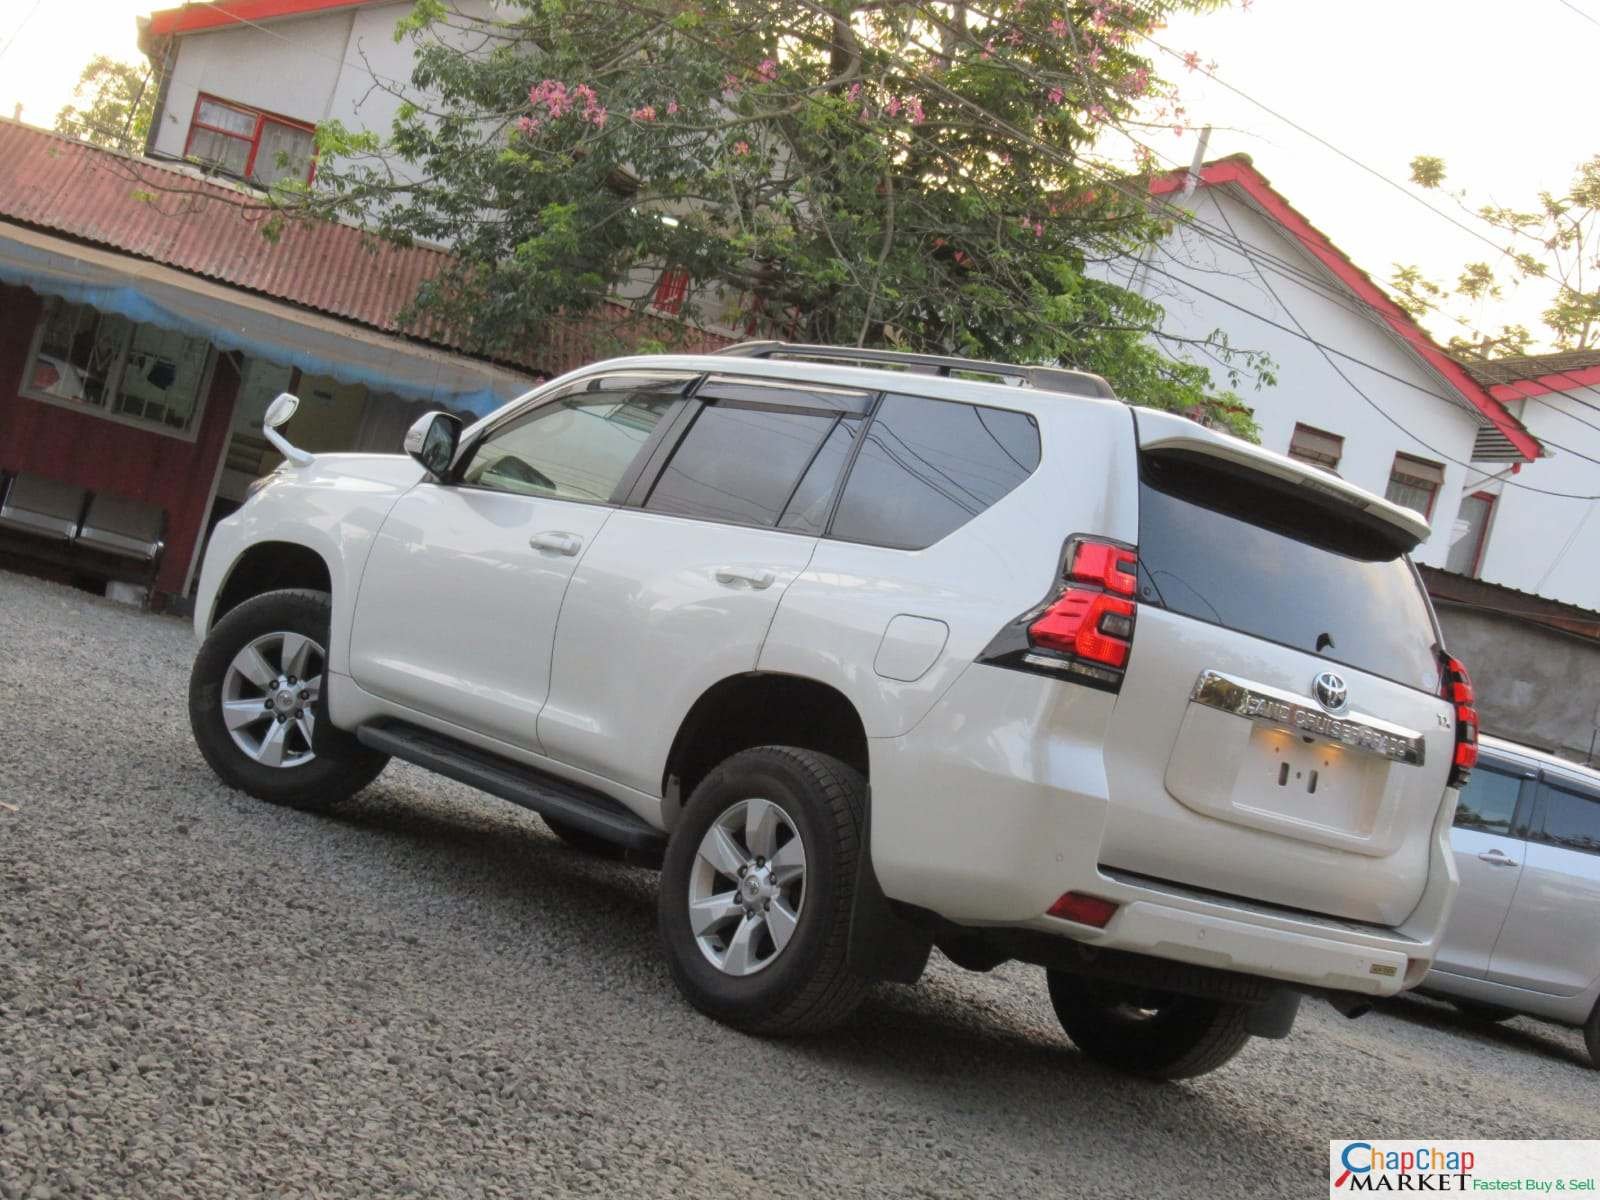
(1038, 229)
(741, 148)
(672, 108)
(893, 107)
(1098, 18)
(767, 70)
(644, 113)
(864, 114)
(596, 115)
(1057, 95)
(527, 126)
(1136, 83)
(1095, 55)
(1014, 37)
(854, 93)
(988, 49)
(1098, 115)
(1192, 60)
(552, 94)
(731, 83)
(914, 110)
(1059, 27)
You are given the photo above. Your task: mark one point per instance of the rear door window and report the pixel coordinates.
(929, 466)
(1489, 801)
(1266, 558)
(753, 449)
(1571, 818)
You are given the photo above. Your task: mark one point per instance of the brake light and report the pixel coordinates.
(1458, 690)
(1110, 566)
(1091, 625)
(1084, 627)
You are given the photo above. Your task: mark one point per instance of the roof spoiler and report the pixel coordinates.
(1045, 379)
(1171, 433)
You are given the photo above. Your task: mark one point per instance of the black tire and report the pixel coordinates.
(1591, 1036)
(807, 986)
(1159, 1035)
(340, 767)
(1487, 1013)
(582, 839)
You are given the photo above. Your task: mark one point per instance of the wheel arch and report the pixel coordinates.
(266, 567)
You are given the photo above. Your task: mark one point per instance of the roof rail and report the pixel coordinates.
(1048, 379)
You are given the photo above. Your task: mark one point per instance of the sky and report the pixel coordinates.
(1499, 92)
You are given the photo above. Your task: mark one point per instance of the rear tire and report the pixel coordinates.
(1159, 1035)
(1591, 1036)
(757, 889)
(271, 650)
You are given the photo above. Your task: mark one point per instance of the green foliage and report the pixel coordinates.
(113, 104)
(1556, 240)
(917, 175)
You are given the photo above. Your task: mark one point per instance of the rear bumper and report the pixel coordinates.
(988, 823)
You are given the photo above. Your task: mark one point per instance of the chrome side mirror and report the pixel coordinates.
(432, 441)
(278, 413)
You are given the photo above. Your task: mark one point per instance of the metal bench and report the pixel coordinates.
(97, 535)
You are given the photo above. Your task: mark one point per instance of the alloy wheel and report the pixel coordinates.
(269, 694)
(747, 887)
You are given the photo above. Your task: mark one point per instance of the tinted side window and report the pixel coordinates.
(739, 464)
(807, 511)
(1571, 819)
(930, 466)
(1488, 801)
(577, 446)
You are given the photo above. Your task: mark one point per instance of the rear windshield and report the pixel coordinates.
(1253, 554)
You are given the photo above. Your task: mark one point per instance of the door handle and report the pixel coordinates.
(754, 578)
(561, 543)
(1497, 859)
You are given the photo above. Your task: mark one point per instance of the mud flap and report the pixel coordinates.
(883, 944)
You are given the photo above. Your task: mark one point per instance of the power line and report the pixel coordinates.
(1579, 11)
(20, 26)
(1373, 404)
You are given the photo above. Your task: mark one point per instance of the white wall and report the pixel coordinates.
(1547, 544)
(288, 67)
(1308, 389)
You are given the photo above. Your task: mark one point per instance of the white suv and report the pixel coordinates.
(882, 652)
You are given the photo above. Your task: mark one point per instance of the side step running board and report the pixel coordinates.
(570, 803)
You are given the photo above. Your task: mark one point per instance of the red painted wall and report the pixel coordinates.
(105, 456)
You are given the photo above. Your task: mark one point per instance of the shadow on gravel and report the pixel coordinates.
(1526, 1034)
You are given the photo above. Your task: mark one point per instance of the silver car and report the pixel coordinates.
(1525, 933)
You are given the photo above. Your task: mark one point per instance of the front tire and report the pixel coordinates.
(256, 704)
(757, 888)
(1159, 1035)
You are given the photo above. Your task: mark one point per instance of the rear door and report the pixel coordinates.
(1551, 938)
(1280, 733)
(1490, 852)
(679, 589)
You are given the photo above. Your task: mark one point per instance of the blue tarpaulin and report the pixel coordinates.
(128, 287)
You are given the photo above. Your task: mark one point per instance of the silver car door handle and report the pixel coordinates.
(561, 543)
(745, 577)
(1496, 859)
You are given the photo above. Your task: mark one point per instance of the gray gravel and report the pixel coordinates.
(201, 995)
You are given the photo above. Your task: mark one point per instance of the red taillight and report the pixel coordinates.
(1090, 625)
(1085, 910)
(1084, 629)
(1110, 566)
(1458, 690)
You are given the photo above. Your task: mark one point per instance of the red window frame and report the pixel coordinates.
(261, 116)
(1399, 468)
(672, 290)
(1483, 530)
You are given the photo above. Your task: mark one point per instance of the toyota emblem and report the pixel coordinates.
(1330, 691)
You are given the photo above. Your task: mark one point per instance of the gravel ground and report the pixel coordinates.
(427, 994)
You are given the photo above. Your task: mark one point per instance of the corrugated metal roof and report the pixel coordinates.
(1529, 366)
(168, 215)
